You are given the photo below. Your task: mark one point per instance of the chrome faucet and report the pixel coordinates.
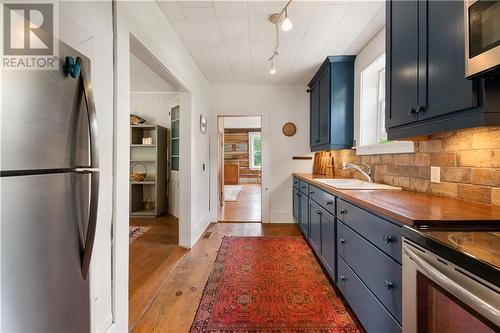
(367, 174)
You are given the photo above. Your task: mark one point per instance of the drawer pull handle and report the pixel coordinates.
(341, 241)
(388, 239)
(343, 211)
(318, 212)
(311, 193)
(342, 278)
(329, 203)
(388, 285)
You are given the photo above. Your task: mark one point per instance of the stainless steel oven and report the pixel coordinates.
(441, 297)
(482, 36)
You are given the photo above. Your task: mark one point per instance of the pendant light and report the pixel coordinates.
(287, 24)
(272, 71)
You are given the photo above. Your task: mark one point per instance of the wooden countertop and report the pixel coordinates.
(414, 208)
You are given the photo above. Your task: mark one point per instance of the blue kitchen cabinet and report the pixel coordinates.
(303, 204)
(426, 88)
(296, 204)
(331, 104)
(315, 213)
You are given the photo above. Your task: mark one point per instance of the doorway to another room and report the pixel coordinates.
(155, 112)
(240, 168)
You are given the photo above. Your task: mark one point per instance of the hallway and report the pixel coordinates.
(247, 207)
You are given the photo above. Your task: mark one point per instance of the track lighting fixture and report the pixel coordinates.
(286, 25)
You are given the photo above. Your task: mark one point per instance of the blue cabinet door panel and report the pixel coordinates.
(402, 62)
(296, 204)
(304, 213)
(328, 242)
(315, 226)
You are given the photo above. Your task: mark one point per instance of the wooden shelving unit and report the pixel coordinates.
(154, 157)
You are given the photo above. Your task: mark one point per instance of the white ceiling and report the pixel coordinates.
(232, 40)
(144, 79)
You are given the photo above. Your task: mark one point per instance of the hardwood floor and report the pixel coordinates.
(152, 257)
(246, 209)
(174, 308)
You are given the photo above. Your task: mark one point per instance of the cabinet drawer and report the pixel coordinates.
(383, 234)
(304, 187)
(378, 271)
(296, 182)
(324, 199)
(372, 315)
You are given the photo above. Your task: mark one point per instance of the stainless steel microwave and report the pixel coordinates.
(482, 36)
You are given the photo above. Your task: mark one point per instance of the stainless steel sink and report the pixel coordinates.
(355, 184)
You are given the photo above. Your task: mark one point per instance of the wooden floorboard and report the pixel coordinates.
(152, 257)
(246, 209)
(174, 308)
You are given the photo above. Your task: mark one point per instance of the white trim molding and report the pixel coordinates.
(397, 147)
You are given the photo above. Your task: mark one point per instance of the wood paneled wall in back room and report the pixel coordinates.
(469, 161)
(236, 148)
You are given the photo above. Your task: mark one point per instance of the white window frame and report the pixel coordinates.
(391, 147)
(251, 150)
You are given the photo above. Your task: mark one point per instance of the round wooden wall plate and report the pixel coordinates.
(289, 129)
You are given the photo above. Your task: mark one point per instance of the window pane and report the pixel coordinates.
(257, 159)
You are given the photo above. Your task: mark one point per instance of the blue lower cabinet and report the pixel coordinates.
(304, 214)
(328, 242)
(378, 271)
(315, 213)
(296, 204)
(370, 312)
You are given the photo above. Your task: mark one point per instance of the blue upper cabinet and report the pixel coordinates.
(426, 88)
(331, 103)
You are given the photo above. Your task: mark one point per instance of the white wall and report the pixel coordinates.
(276, 105)
(145, 21)
(152, 107)
(242, 122)
(372, 50)
(87, 27)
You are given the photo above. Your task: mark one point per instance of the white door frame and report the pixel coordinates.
(126, 28)
(266, 167)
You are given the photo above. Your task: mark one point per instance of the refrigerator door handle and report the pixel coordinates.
(91, 111)
(92, 223)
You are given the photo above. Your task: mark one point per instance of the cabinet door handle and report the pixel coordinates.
(318, 212)
(343, 211)
(388, 285)
(388, 239)
(412, 112)
(341, 240)
(342, 278)
(329, 203)
(317, 140)
(311, 192)
(420, 108)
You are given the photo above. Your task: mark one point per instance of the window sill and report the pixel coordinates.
(400, 147)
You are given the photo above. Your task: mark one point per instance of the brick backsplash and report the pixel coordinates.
(469, 161)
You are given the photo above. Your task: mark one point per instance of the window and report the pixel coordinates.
(255, 151)
(372, 135)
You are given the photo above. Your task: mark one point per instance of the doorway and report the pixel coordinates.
(240, 168)
(156, 110)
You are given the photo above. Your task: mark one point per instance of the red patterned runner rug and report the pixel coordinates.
(269, 284)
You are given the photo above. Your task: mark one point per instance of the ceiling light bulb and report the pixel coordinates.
(272, 70)
(286, 25)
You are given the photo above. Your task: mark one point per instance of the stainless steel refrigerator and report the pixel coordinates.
(49, 185)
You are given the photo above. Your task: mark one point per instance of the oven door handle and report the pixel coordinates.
(487, 310)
